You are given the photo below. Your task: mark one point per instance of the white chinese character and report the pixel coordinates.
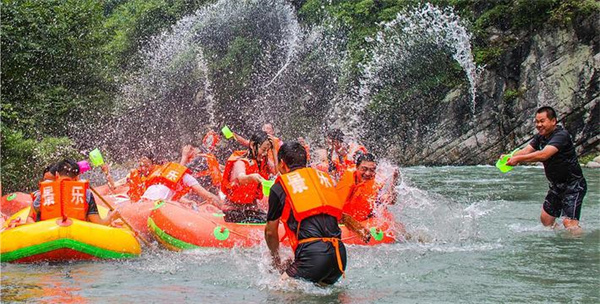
(172, 175)
(77, 195)
(48, 196)
(297, 182)
(323, 179)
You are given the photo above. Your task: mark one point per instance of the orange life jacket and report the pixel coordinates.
(277, 143)
(309, 192)
(213, 169)
(171, 175)
(359, 199)
(247, 193)
(137, 185)
(347, 180)
(64, 198)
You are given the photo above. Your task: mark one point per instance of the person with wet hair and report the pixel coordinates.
(271, 154)
(305, 201)
(135, 179)
(68, 197)
(242, 178)
(341, 155)
(203, 163)
(360, 191)
(554, 147)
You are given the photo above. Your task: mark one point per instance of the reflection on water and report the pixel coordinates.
(47, 284)
(477, 238)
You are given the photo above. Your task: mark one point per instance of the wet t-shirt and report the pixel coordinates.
(563, 166)
(320, 225)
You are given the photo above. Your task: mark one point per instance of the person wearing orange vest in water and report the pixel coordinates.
(68, 197)
(244, 173)
(171, 181)
(341, 155)
(305, 201)
(361, 193)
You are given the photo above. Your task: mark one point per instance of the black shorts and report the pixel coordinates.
(317, 262)
(565, 198)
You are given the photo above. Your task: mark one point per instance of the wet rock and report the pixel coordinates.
(593, 164)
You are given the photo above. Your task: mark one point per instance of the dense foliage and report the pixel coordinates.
(60, 60)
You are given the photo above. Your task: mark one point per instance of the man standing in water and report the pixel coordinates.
(306, 202)
(554, 148)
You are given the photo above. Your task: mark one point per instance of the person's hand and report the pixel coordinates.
(272, 141)
(285, 265)
(105, 168)
(365, 235)
(344, 149)
(387, 199)
(186, 152)
(513, 161)
(117, 223)
(257, 177)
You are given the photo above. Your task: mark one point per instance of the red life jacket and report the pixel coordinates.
(309, 192)
(247, 193)
(64, 198)
(171, 175)
(213, 169)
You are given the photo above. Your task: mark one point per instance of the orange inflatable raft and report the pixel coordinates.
(178, 228)
(14, 202)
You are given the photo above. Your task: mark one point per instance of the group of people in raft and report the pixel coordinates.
(310, 201)
(340, 187)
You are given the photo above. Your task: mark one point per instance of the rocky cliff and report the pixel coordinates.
(558, 67)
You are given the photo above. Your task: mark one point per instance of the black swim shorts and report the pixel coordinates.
(317, 262)
(566, 198)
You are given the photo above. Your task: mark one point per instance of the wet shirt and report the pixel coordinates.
(563, 166)
(320, 225)
(162, 192)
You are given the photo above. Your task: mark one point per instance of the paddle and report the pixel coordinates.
(111, 208)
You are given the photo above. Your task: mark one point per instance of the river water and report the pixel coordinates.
(476, 238)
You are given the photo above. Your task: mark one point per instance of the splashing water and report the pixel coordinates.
(409, 38)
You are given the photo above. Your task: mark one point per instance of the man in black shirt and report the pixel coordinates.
(306, 202)
(554, 148)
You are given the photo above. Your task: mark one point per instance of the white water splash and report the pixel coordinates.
(395, 44)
